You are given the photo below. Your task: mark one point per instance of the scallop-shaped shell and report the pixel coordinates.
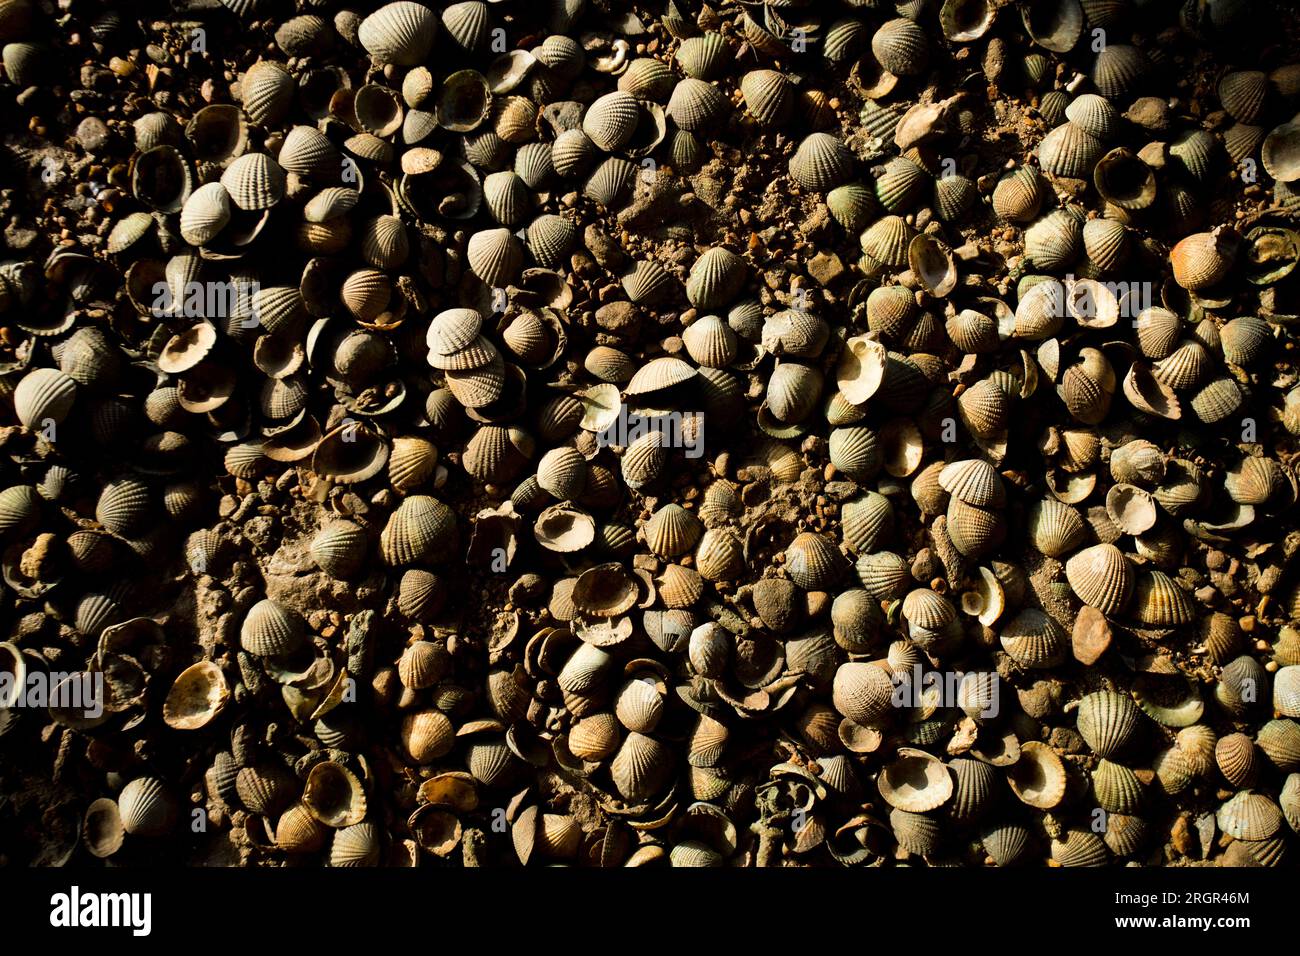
(1286, 691)
(901, 185)
(307, 152)
(1159, 602)
(1237, 759)
(147, 808)
(1107, 721)
(594, 737)
(1242, 93)
(495, 256)
(550, 239)
(254, 181)
(768, 96)
(1038, 778)
(268, 92)
(862, 692)
(271, 630)
(647, 78)
(1034, 639)
(954, 195)
(887, 241)
(1019, 195)
(696, 105)
(1249, 815)
(716, 278)
(1101, 577)
(1118, 70)
(883, 574)
(468, 24)
(821, 163)
(659, 374)
(1217, 400)
(901, 47)
(1070, 151)
(974, 481)
(1244, 339)
(984, 408)
(123, 504)
(507, 197)
(421, 529)
(710, 342)
(400, 33)
(610, 181)
(813, 561)
(719, 556)
(339, 548)
(611, 120)
(205, 214)
(427, 735)
(1079, 848)
(641, 768)
(703, 57)
(855, 452)
(357, 845)
(44, 397)
(672, 531)
(1006, 843)
(1054, 241)
(865, 521)
(1201, 260)
(1116, 787)
(572, 153)
(1055, 528)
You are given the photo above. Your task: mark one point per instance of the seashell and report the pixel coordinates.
(716, 278)
(123, 504)
(1280, 152)
(267, 90)
(572, 153)
(1056, 25)
(973, 530)
(610, 181)
(1038, 778)
(710, 342)
(983, 408)
(1041, 311)
(854, 452)
(768, 96)
(1079, 848)
(102, 830)
(334, 795)
(639, 706)
(973, 481)
(254, 181)
(883, 575)
(1035, 640)
(297, 831)
(1217, 400)
(813, 562)
(1101, 577)
(564, 529)
(44, 398)
(954, 195)
(205, 213)
(1279, 741)
(901, 185)
(495, 256)
(672, 531)
(1202, 259)
(1019, 195)
(1054, 241)
(1070, 151)
(534, 166)
(468, 24)
(1006, 843)
(550, 239)
(915, 781)
(197, 697)
(1095, 116)
(426, 735)
(146, 808)
(862, 692)
(307, 152)
(464, 103)
(339, 549)
(271, 630)
(358, 845)
(383, 242)
(647, 78)
(1249, 815)
(1159, 602)
(703, 57)
(696, 106)
(611, 120)
(719, 556)
(507, 197)
(887, 241)
(1107, 721)
(866, 521)
(595, 737)
(1118, 70)
(421, 529)
(641, 768)
(821, 163)
(900, 46)
(1237, 759)
(1286, 691)
(400, 33)
(1116, 787)
(1244, 339)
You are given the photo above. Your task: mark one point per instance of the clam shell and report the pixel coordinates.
(254, 181)
(426, 735)
(197, 696)
(267, 90)
(862, 692)
(44, 397)
(400, 33)
(647, 78)
(1070, 151)
(813, 561)
(271, 630)
(420, 529)
(1035, 640)
(768, 96)
(357, 845)
(611, 120)
(1107, 721)
(1006, 843)
(1038, 778)
(821, 163)
(1249, 815)
(1019, 195)
(887, 241)
(901, 185)
(716, 278)
(495, 256)
(900, 46)
(696, 106)
(146, 808)
(1080, 848)
(916, 781)
(703, 57)
(1159, 602)
(641, 768)
(1101, 577)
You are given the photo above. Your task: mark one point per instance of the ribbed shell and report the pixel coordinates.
(1117, 788)
(855, 452)
(205, 214)
(813, 561)
(123, 505)
(44, 396)
(254, 181)
(307, 151)
(1159, 602)
(611, 120)
(610, 181)
(572, 153)
(901, 185)
(716, 278)
(1054, 241)
(1038, 778)
(339, 549)
(887, 240)
(821, 163)
(1101, 577)
(704, 57)
(672, 531)
(1080, 848)
(695, 105)
(147, 808)
(900, 46)
(1242, 94)
(1118, 69)
(400, 33)
(270, 629)
(421, 529)
(468, 24)
(641, 768)
(507, 197)
(1019, 195)
(862, 692)
(974, 481)
(268, 91)
(768, 96)
(1249, 815)
(1006, 843)
(1107, 721)
(1034, 639)
(1070, 151)
(647, 78)
(495, 256)
(866, 521)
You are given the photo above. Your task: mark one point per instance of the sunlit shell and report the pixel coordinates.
(901, 185)
(1107, 721)
(862, 692)
(1158, 601)
(900, 46)
(1034, 639)
(1070, 151)
(719, 556)
(641, 768)
(420, 529)
(1019, 195)
(716, 278)
(147, 808)
(400, 33)
(1249, 815)
(611, 120)
(696, 105)
(1038, 778)
(254, 181)
(821, 163)
(647, 78)
(915, 781)
(1079, 848)
(768, 96)
(43, 398)
(813, 562)
(1201, 260)
(1101, 577)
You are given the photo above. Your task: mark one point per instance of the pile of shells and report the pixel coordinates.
(774, 433)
